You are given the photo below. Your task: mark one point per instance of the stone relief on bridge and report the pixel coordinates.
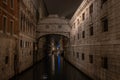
(53, 24)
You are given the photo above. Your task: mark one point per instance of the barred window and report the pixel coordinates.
(91, 58)
(103, 1)
(105, 62)
(6, 59)
(83, 16)
(83, 56)
(21, 43)
(12, 4)
(77, 54)
(4, 24)
(83, 34)
(78, 36)
(11, 27)
(91, 30)
(104, 22)
(91, 9)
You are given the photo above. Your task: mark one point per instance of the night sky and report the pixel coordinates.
(62, 7)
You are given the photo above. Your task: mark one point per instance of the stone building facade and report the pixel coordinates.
(18, 20)
(27, 23)
(8, 38)
(95, 39)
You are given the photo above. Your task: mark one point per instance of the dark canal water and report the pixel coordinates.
(52, 68)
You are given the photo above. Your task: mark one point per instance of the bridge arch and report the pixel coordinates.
(42, 34)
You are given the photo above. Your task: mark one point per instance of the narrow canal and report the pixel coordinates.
(52, 68)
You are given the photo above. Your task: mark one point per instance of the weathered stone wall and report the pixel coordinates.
(103, 46)
(7, 53)
(41, 48)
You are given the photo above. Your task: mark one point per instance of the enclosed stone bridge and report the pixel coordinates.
(53, 25)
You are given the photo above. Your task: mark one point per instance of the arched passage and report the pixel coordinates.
(48, 34)
(47, 44)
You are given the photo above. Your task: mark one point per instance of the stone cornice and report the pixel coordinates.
(40, 24)
(80, 9)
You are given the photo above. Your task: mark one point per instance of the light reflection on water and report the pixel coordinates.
(52, 68)
(53, 64)
(59, 63)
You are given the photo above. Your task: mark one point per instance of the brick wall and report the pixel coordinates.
(11, 14)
